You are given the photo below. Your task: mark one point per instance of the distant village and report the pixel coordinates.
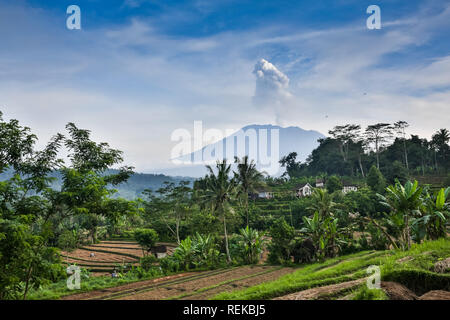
(301, 190)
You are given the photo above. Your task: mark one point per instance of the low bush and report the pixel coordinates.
(365, 293)
(198, 252)
(147, 262)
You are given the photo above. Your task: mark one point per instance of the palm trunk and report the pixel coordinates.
(226, 238)
(246, 207)
(178, 230)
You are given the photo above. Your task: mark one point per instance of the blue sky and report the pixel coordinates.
(139, 69)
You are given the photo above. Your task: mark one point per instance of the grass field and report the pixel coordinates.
(413, 268)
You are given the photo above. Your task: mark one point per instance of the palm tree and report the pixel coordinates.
(322, 203)
(439, 142)
(248, 177)
(220, 191)
(405, 201)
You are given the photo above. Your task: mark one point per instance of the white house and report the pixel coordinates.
(319, 183)
(304, 190)
(265, 195)
(349, 188)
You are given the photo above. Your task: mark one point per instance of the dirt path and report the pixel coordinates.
(322, 292)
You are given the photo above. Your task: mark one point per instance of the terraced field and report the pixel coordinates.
(420, 272)
(193, 285)
(103, 257)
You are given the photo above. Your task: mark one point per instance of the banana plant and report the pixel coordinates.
(436, 214)
(252, 243)
(405, 201)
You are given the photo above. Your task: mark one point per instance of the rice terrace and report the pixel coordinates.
(224, 159)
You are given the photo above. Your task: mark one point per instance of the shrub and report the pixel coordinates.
(365, 293)
(68, 240)
(193, 253)
(333, 184)
(279, 248)
(375, 180)
(250, 245)
(146, 238)
(147, 262)
(140, 272)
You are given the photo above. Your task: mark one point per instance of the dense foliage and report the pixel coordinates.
(218, 221)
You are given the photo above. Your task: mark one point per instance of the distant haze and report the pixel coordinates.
(291, 139)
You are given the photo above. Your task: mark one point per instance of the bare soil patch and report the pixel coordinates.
(240, 284)
(396, 291)
(116, 255)
(136, 252)
(97, 294)
(322, 292)
(436, 295)
(194, 285)
(98, 256)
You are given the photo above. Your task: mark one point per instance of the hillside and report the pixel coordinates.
(137, 183)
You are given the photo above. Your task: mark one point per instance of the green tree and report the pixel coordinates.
(171, 205)
(25, 260)
(375, 180)
(439, 143)
(146, 238)
(293, 167)
(248, 178)
(281, 234)
(220, 191)
(378, 134)
(397, 171)
(333, 184)
(400, 127)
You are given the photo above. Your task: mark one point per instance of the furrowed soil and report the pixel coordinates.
(238, 284)
(100, 294)
(111, 254)
(189, 286)
(322, 292)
